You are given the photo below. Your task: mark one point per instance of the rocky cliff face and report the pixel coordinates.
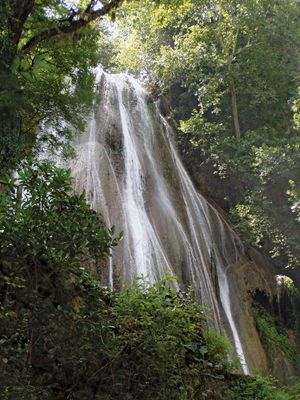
(254, 282)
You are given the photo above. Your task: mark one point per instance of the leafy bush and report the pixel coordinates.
(258, 388)
(167, 353)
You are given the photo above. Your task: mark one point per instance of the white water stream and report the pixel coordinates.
(129, 167)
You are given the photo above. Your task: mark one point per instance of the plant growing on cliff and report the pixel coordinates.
(271, 335)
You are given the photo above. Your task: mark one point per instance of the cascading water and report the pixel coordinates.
(128, 166)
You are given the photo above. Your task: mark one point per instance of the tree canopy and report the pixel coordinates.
(47, 50)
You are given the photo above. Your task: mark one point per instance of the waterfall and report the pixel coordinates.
(128, 165)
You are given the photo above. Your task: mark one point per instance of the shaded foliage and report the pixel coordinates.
(49, 241)
(47, 50)
(62, 335)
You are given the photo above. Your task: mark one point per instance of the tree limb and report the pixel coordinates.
(247, 46)
(72, 25)
(235, 41)
(22, 10)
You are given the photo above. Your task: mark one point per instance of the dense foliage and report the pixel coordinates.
(47, 49)
(229, 69)
(62, 336)
(65, 337)
(47, 234)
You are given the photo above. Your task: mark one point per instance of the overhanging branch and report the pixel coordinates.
(72, 25)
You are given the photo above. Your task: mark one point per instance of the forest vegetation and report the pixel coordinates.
(229, 70)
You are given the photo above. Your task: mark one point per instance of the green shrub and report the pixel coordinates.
(258, 388)
(167, 353)
(217, 345)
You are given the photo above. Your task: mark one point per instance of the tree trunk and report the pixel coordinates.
(235, 113)
(21, 11)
